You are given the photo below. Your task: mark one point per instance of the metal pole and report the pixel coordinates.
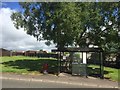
(102, 68)
(100, 63)
(86, 64)
(58, 64)
(60, 61)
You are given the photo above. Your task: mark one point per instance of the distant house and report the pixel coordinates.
(18, 53)
(34, 52)
(44, 51)
(31, 53)
(4, 52)
(41, 51)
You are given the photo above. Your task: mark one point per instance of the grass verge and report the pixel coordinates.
(27, 65)
(109, 73)
(34, 65)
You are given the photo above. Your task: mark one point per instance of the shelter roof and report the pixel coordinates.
(76, 49)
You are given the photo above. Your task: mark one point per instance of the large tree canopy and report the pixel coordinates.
(70, 23)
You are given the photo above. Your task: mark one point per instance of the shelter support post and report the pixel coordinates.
(58, 64)
(101, 66)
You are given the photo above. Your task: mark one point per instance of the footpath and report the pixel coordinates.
(64, 79)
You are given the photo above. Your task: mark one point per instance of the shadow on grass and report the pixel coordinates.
(95, 72)
(37, 65)
(33, 65)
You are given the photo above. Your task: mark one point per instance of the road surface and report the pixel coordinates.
(6, 83)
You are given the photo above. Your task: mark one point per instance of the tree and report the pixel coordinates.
(57, 22)
(101, 26)
(70, 23)
(108, 17)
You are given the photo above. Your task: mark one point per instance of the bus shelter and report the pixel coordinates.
(75, 60)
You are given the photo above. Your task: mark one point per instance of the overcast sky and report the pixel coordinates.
(14, 39)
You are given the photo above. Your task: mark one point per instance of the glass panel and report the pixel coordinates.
(77, 57)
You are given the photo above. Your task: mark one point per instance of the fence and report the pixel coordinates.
(112, 60)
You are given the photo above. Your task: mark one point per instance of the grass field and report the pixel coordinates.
(26, 65)
(34, 65)
(109, 73)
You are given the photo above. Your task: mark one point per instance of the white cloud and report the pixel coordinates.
(14, 39)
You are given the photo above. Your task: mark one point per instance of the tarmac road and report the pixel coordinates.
(6, 83)
(51, 81)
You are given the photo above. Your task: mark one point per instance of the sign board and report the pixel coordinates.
(84, 58)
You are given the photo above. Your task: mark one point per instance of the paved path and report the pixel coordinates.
(63, 80)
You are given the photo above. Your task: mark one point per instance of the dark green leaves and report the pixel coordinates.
(70, 23)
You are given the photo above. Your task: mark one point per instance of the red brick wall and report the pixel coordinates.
(4, 52)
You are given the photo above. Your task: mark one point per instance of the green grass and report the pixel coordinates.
(110, 73)
(26, 65)
(34, 65)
